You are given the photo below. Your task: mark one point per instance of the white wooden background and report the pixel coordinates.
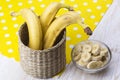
(108, 31)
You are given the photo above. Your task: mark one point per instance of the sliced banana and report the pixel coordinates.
(86, 56)
(76, 58)
(94, 64)
(77, 50)
(95, 49)
(104, 52)
(87, 48)
(91, 55)
(96, 58)
(82, 63)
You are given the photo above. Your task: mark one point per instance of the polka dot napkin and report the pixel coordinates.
(90, 10)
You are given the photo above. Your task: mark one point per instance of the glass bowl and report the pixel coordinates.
(85, 69)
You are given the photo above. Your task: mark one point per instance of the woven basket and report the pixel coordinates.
(42, 63)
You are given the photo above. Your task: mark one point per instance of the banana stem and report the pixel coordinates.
(15, 14)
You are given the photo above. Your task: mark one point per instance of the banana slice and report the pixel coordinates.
(82, 63)
(76, 58)
(96, 58)
(77, 50)
(87, 48)
(86, 57)
(104, 52)
(94, 64)
(95, 49)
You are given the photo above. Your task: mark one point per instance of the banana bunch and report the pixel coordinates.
(90, 55)
(43, 31)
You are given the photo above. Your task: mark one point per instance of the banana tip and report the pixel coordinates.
(88, 31)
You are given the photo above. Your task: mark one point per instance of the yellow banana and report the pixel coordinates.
(48, 15)
(34, 27)
(59, 24)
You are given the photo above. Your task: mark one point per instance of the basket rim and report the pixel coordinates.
(44, 50)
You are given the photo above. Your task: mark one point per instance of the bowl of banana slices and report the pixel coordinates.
(91, 56)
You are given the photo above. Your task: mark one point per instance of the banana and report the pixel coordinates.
(59, 24)
(94, 64)
(86, 57)
(82, 63)
(87, 48)
(95, 49)
(48, 15)
(104, 52)
(96, 58)
(76, 58)
(34, 27)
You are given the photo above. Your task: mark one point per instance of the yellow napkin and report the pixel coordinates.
(91, 11)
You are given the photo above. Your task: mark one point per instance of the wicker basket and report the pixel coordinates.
(42, 63)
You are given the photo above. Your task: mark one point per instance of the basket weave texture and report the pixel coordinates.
(42, 63)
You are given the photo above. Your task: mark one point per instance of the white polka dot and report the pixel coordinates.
(10, 6)
(98, 7)
(67, 38)
(3, 21)
(75, 6)
(15, 25)
(92, 17)
(83, 19)
(42, 5)
(7, 35)
(33, 8)
(8, 42)
(16, 33)
(0, 7)
(39, 0)
(13, 18)
(79, 12)
(95, 1)
(10, 50)
(108, 5)
(85, 3)
(7, 0)
(62, 1)
(20, 4)
(71, 46)
(89, 10)
(1, 14)
(102, 14)
(30, 1)
(78, 36)
(72, 0)
(75, 28)
(96, 23)
(5, 28)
